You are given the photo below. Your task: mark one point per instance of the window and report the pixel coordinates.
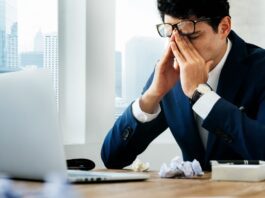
(29, 36)
(138, 47)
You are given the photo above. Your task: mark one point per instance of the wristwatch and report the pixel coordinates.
(199, 91)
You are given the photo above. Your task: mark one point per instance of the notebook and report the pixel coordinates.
(31, 144)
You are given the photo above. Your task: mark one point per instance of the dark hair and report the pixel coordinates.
(184, 9)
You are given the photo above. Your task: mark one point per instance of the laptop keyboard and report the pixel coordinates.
(93, 176)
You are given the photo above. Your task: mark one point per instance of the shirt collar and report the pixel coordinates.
(213, 76)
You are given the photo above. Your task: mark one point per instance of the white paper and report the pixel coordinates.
(139, 166)
(179, 168)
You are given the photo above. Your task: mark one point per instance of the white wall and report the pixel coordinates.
(248, 20)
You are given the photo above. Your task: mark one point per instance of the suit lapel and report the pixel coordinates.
(230, 79)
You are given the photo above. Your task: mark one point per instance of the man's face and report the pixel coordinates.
(210, 44)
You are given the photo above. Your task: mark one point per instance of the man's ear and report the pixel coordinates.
(224, 27)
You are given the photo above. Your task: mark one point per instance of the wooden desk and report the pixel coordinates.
(164, 188)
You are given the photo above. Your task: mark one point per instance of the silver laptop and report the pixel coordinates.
(31, 144)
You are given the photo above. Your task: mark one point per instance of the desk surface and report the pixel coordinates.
(157, 187)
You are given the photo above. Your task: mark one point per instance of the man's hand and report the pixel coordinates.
(193, 68)
(165, 77)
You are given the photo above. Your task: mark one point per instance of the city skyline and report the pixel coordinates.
(8, 34)
(20, 23)
(40, 42)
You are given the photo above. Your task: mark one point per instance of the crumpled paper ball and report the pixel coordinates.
(180, 168)
(139, 166)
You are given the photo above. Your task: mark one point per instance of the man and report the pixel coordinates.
(208, 88)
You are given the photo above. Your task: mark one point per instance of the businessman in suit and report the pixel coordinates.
(208, 88)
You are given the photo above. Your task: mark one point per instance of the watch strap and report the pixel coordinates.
(196, 95)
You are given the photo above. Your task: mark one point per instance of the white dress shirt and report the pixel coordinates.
(201, 108)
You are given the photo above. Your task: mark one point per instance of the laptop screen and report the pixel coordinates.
(30, 144)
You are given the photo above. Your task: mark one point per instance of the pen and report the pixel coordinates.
(249, 162)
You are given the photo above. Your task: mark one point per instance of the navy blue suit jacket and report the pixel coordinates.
(233, 133)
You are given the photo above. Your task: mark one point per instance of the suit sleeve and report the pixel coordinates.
(128, 138)
(244, 135)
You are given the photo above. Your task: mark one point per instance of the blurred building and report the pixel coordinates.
(12, 48)
(8, 34)
(50, 58)
(141, 55)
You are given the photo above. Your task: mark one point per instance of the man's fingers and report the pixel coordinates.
(183, 46)
(178, 56)
(191, 47)
(168, 54)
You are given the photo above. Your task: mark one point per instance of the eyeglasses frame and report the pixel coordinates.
(175, 26)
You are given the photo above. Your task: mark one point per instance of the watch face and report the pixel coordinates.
(203, 88)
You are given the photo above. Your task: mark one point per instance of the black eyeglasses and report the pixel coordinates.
(184, 27)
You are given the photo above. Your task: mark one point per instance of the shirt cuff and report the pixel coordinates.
(143, 116)
(204, 105)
